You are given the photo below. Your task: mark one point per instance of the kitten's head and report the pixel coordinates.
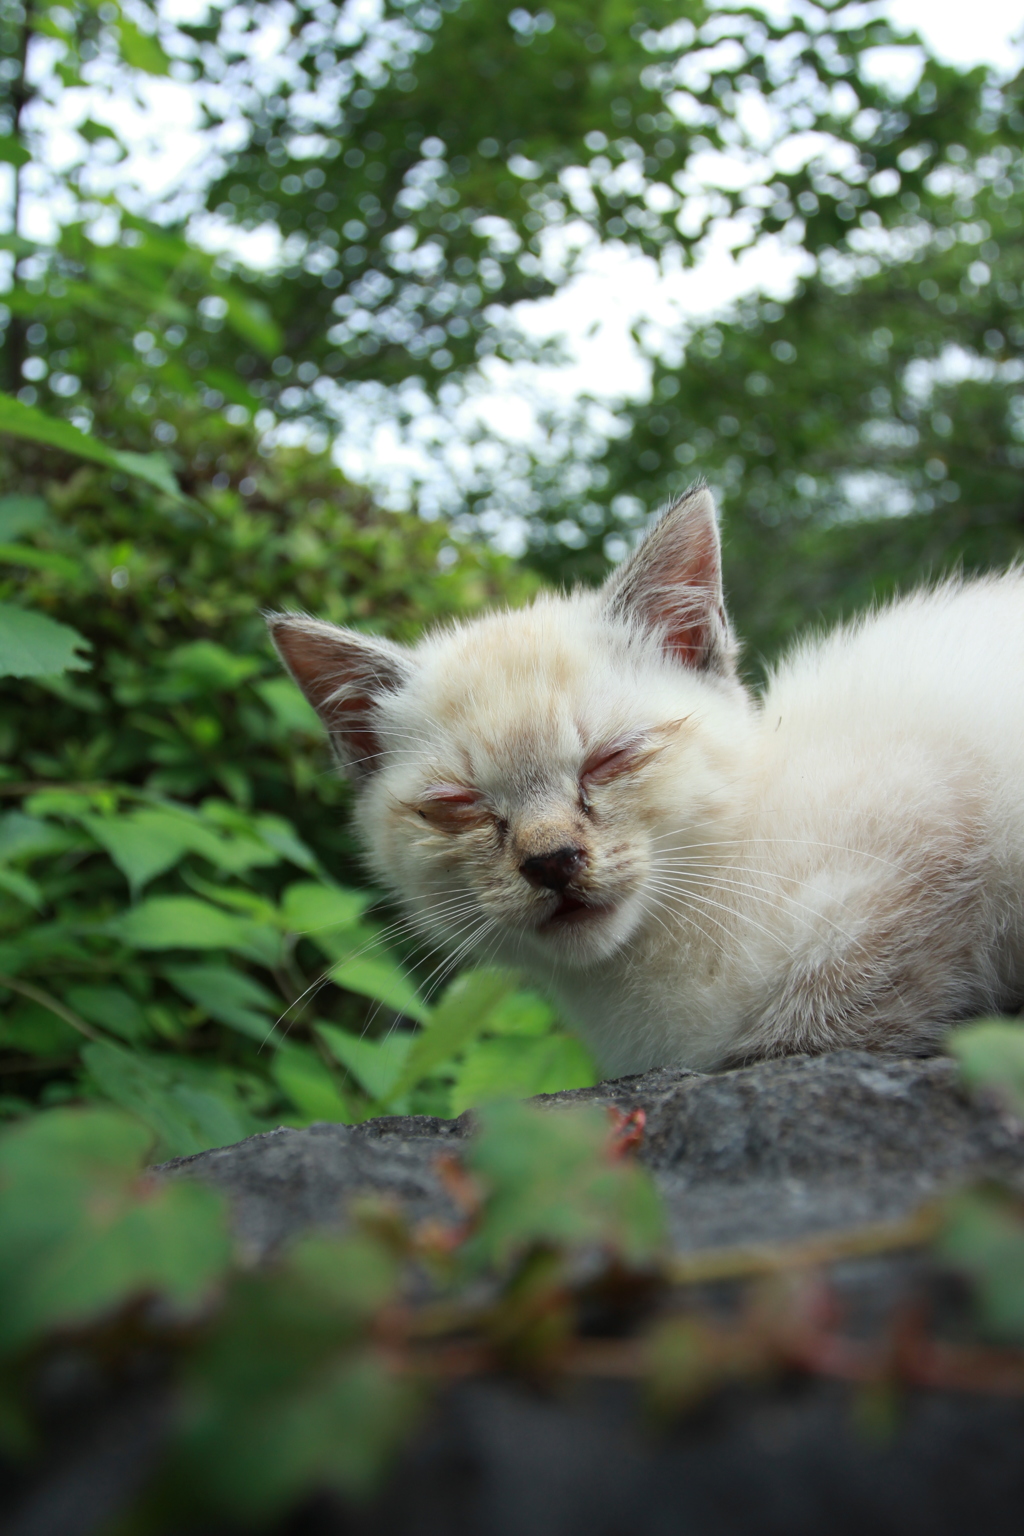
(524, 778)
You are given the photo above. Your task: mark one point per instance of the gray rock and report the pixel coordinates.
(769, 1152)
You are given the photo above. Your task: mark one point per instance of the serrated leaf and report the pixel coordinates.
(143, 845)
(32, 645)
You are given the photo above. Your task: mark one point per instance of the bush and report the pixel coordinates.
(178, 883)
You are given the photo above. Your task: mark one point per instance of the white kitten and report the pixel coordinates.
(585, 790)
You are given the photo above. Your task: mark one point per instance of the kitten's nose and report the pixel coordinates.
(553, 871)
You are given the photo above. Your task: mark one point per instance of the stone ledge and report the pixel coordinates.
(769, 1152)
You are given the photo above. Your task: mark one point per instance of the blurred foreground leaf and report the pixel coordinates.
(82, 1231)
(991, 1056)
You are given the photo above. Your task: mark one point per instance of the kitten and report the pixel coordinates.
(585, 790)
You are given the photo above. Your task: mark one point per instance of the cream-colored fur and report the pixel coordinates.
(838, 863)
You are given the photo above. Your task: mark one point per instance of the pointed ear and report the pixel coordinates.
(343, 675)
(672, 585)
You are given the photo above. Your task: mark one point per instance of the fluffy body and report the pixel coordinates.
(838, 862)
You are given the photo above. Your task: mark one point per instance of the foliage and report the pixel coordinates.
(182, 930)
(307, 1374)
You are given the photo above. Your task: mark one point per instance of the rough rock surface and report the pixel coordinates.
(770, 1152)
(763, 1153)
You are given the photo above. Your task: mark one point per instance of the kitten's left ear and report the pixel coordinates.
(344, 675)
(672, 585)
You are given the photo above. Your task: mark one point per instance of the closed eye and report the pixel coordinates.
(615, 758)
(452, 808)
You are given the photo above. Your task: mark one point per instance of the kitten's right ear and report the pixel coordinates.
(671, 586)
(343, 675)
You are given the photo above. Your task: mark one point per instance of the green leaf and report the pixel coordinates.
(26, 837)
(39, 560)
(142, 845)
(513, 1066)
(319, 911)
(206, 667)
(229, 996)
(991, 1056)
(251, 320)
(291, 709)
(376, 1065)
(185, 922)
(309, 1408)
(462, 1014)
(13, 152)
(302, 1076)
(26, 890)
(280, 835)
(32, 645)
(26, 421)
(23, 514)
(112, 1008)
(550, 1178)
(82, 1234)
(382, 980)
(983, 1235)
(141, 50)
(186, 1118)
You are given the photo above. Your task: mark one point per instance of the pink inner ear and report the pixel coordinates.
(688, 597)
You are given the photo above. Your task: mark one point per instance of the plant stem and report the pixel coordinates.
(45, 1000)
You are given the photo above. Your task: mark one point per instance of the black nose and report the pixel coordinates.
(553, 871)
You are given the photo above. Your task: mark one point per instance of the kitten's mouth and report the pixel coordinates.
(570, 911)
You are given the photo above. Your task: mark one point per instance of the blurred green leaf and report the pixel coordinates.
(550, 1179)
(983, 1236)
(31, 645)
(22, 514)
(376, 1065)
(384, 981)
(516, 1066)
(184, 1117)
(140, 49)
(82, 1233)
(185, 922)
(320, 912)
(991, 1056)
(229, 996)
(307, 1082)
(462, 1014)
(112, 1008)
(13, 152)
(26, 421)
